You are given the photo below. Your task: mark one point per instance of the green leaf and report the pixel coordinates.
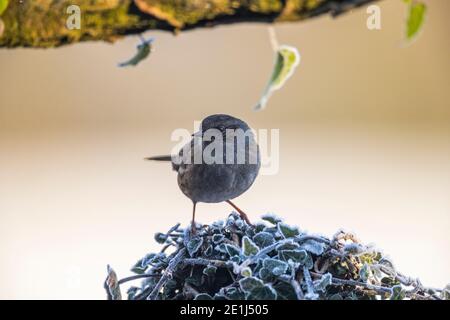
(3, 6)
(298, 256)
(131, 292)
(232, 250)
(248, 284)
(263, 239)
(288, 231)
(265, 274)
(210, 270)
(249, 247)
(323, 282)
(270, 217)
(138, 268)
(285, 291)
(335, 296)
(255, 289)
(203, 296)
(287, 59)
(415, 19)
(143, 51)
(288, 246)
(246, 272)
(233, 293)
(314, 247)
(397, 293)
(264, 293)
(365, 273)
(275, 267)
(194, 245)
(160, 237)
(217, 238)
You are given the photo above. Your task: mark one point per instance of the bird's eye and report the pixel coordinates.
(221, 128)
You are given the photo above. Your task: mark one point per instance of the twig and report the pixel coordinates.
(205, 262)
(173, 264)
(309, 284)
(135, 277)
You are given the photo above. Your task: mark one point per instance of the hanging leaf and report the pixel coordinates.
(143, 50)
(286, 60)
(3, 6)
(415, 19)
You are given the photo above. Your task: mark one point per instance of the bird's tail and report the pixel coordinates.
(160, 158)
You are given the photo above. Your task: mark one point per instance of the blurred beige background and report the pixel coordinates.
(364, 144)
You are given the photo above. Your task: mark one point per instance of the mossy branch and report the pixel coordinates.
(42, 23)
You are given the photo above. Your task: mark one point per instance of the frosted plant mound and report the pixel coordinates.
(271, 260)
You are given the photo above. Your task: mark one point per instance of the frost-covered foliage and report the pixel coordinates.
(271, 260)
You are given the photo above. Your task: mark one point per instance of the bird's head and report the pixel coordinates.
(223, 122)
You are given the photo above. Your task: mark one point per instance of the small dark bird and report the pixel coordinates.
(231, 173)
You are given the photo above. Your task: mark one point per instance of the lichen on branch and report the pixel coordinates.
(42, 23)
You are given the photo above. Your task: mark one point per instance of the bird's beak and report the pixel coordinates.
(197, 134)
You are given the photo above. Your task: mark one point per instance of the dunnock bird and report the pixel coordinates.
(220, 162)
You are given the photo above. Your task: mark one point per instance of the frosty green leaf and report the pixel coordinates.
(160, 237)
(263, 239)
(246, 272)
(265, 274)
(287, 59)
(217, 238)
(398, 293)
(203, 296)
(255, 289)
(210, 270)
(274, 266)
(288, 231)
(193, 245)
(249, 247)
(313, 247)
(232, 250)
(273, 219)
(323, 282)
(415, 18)
(285, 291)
(250, 283)
(298, 256)
(264, 293)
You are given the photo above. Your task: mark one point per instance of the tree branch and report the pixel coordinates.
(42, 23)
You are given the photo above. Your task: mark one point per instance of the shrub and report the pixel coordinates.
(270, 260)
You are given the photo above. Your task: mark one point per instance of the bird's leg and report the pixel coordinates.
(193, 229)
(241, 213)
